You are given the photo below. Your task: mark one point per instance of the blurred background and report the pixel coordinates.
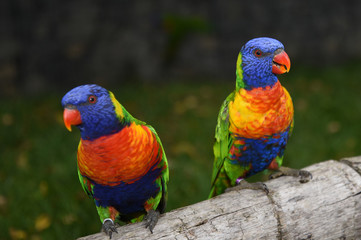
(171, 64)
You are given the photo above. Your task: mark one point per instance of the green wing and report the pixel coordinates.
(86, 185)
(221, 147)
(159, 202)
(161, 199)
(279, 158)
(103, 212)
(291, 127)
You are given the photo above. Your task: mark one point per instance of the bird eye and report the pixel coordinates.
(92, 99)
(258, 53)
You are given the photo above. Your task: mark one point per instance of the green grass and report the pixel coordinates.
(41, 198)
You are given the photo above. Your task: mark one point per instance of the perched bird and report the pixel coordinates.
(255, 121)
(121, 162)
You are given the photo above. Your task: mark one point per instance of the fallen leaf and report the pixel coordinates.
(42, 222)
(17, 234)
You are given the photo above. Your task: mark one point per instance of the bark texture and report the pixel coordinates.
(327, 207)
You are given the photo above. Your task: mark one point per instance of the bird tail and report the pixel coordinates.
(221, 183)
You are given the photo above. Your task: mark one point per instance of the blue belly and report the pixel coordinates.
(128, 198)
(259, 153)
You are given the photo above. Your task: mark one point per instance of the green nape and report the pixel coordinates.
(122, 114)
(239, 73)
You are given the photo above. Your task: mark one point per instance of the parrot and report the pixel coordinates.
(121, 162)
(255, 121)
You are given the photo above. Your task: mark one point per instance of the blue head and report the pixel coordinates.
(260, 59)
(92, 109)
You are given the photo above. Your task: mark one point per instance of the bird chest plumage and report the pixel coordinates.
(125, 156)
(260, 112)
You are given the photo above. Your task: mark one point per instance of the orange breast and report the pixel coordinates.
(124, 156)
(260, 111)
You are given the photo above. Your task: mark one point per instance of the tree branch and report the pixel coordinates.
(327, 207)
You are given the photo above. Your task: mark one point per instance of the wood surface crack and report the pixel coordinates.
(276, 213)
(351, 165)
(344, 199)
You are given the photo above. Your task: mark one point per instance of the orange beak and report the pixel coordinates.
(71, 117)
(281, 63)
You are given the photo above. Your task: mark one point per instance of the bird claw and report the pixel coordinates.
(262, 186)
(108, 227)
(246, 185)
(275, 175)
(305, 176)
(151, 219)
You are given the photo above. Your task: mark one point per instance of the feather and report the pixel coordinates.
(255, 120)
(122, 165)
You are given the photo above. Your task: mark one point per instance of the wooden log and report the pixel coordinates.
(327, 207)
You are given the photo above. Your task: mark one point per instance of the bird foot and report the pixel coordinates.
(243, 184)
(151, 219)
(108, 227)
(304, 175)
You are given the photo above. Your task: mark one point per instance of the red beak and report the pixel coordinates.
(281, 63)
(71, 117)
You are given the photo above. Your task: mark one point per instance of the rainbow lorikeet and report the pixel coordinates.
(121, 161)
(255, 121)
